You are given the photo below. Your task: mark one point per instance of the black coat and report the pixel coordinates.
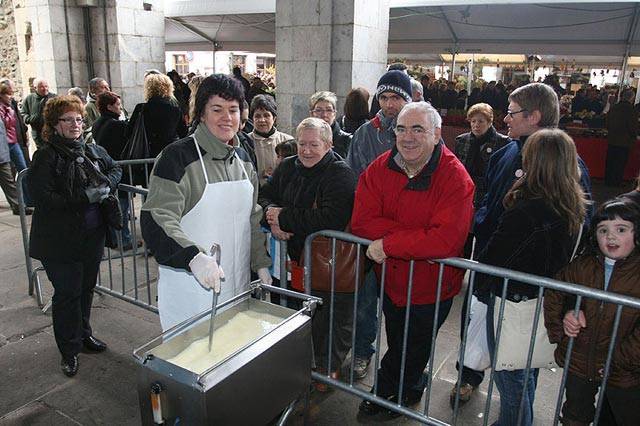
(163, 122)
(58, 225)
(330, 185)
(341, 140)
(351, 125)
(248, 145)
(111, 133)
(474, 153)
(531, 238)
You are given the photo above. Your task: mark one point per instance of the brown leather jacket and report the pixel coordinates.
(591, 346)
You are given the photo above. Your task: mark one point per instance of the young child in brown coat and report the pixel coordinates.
(611, 263)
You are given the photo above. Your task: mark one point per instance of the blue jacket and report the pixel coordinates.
(501, 173)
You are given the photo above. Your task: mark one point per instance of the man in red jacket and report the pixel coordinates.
(416, 203)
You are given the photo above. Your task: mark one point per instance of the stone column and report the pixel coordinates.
(53, 44)
(135, 39)
(331, 45)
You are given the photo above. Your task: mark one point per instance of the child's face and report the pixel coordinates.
(615, 238)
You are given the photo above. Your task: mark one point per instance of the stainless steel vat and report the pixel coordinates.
(250, 387)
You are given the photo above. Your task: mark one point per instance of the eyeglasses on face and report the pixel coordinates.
(71, 120)
(320, 111)
(512, 113)
(415, 131)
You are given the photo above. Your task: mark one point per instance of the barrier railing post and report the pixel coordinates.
(23, 229)
(495, 331)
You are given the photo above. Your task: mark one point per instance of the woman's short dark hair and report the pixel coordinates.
(356, 105)
(264, 102)
(222, 85)
(105, 99)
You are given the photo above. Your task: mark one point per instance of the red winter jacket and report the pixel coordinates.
(427, 217)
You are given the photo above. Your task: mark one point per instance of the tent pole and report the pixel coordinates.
(213, 59)
(453, 66)
(633, 25)
(469, 82)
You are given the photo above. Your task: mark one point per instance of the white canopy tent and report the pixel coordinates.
(587, 32)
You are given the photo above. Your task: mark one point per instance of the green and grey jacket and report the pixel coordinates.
(176, 186)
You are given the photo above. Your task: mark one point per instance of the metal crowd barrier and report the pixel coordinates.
(106, 284)
(473, 267)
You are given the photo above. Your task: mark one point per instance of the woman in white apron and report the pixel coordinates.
(203, 191)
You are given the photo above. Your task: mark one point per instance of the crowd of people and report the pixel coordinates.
(224, 174)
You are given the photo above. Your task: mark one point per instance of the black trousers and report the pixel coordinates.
(619, 408)
(469, 375)
(342, 327)
(617, 157)
(421, 318)
(73, 284)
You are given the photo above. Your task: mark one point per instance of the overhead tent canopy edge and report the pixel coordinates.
(573, 30)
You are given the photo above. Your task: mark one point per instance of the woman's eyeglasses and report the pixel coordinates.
(71, 120)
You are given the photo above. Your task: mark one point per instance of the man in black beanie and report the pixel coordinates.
(371, 140)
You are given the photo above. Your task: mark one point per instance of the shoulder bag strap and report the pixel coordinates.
(575, 249)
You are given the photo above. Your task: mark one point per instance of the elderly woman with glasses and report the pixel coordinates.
(322, 105)
(68, 180)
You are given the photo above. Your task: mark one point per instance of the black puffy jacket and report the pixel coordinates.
(330, 185)
(341, 140)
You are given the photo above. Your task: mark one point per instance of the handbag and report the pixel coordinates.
(137, 146)
(345, 261)
(517, 326)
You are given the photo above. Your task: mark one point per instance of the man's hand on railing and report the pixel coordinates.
(572, 325)
(376, 252)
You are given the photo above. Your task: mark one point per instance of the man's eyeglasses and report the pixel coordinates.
(512, 113)
(71, 120)
(415, 131)
(320, 111)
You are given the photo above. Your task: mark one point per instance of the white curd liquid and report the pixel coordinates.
(242, 329)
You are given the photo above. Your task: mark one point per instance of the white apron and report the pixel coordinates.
(221, 216)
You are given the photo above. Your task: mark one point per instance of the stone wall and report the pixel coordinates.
(9, 64)
(127, 38)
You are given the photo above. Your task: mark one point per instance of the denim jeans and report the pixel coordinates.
(17, 157)
(366, 319)
(510, 384)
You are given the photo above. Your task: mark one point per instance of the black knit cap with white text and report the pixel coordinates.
(397, 82)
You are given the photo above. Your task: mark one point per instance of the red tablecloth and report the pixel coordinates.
(594, 153)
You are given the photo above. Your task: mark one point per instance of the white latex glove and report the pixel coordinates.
(265, 276)
(207, 271)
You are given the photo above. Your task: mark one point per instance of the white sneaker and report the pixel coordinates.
(361, 368)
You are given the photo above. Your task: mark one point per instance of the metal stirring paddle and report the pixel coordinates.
(214, 252)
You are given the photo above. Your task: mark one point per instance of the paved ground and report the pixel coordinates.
(33, 391)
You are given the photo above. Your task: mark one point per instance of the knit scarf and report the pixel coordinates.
(76, 168)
